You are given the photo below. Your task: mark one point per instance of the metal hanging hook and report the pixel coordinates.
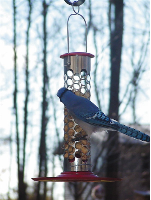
(76, 13)
(75, 3)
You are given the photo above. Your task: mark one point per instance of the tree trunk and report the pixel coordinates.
(19, 173)
(22, 172)
(116, 35)
(26, 85)
(44, 120)
(20, 160)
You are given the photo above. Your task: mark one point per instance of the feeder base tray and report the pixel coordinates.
(79, 176)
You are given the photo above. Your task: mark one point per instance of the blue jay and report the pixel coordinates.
(91, 119)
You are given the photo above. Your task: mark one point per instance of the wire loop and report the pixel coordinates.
(76, 13)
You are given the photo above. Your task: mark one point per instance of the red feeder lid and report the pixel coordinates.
(77, 53)
(80, 176)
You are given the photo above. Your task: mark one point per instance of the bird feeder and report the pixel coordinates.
(77, 145)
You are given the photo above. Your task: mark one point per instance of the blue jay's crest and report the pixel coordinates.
(91, 119)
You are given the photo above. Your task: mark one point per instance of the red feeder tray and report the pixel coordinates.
(77, 53)
(79, 176)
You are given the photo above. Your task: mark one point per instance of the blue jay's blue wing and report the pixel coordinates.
(85, 111)
(96, 118)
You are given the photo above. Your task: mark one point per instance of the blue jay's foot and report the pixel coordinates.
(78, 138)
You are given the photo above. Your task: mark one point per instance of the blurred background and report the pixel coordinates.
(33, 36)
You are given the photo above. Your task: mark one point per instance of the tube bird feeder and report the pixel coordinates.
(77, 144)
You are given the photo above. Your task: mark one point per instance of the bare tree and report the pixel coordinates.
(44, 118)
(19, 169)
(26, 98)
(138, 70)
(26, 83)
(116, 36)
(21, 154)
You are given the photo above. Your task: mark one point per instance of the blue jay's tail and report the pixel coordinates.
(132, 132)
